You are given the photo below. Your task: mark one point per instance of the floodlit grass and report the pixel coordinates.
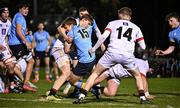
(167, 91)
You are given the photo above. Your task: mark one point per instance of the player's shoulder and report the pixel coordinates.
(177, 30)
(18, 15)
(5, 23)
(75, 27)
(8, 21)
(46, 32)
(35, 33)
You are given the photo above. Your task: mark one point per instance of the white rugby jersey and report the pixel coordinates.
(58, 44)
(123, 36)
(4, 30)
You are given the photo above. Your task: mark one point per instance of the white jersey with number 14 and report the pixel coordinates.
(123, 36)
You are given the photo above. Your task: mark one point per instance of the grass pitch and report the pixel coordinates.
(167, 91)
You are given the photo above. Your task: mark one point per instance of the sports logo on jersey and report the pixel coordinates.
(125, 23)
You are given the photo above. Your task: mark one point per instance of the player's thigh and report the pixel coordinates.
(65, 69)
(74, 78)
(135, 72)
(99, 69)
(100, 78)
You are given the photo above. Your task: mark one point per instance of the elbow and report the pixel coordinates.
(66, 50)
(143, 47)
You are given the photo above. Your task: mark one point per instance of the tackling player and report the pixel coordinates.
(115, 73)
(123, 35)
(61, 58)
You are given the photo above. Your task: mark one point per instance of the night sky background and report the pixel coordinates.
(149, 15)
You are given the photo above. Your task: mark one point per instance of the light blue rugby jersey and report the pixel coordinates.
(29, 38)
(174, 36)
(82, 40)
(41, 39)
(14, 39)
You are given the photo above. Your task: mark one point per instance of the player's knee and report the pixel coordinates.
(111, 94)
(108, 92)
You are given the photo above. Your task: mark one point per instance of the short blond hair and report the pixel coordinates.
(125, 10)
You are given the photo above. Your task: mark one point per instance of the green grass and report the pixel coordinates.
(167, 91)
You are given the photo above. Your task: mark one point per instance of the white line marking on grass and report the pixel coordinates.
(32, 100)
(68, 101)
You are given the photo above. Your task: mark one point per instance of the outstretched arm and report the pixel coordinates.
(62, 32)
(101, 39)
(98, 34)
(169, 50)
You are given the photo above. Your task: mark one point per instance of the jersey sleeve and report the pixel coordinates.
(34, 36)
(19, 20)
(31, 38)
(171, 38)
(48, 35)
(94, 25)
(109, 27)
(139, 35)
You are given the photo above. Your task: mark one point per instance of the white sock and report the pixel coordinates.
(146, 93)
(143, 97)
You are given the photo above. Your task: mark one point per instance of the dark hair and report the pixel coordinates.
(87, 17)
(3, 9)
(125, 10)
(172, 14)
(83, 9)
(23, 4)
(69, 21)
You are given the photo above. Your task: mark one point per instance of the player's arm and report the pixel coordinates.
(62, 32)
(97, 31)
(169, 50)
(22, 37)
(98, 34)
(141, 43)
(101, 78)
(67, 47)
(101, 39)
(49, 43)
(33, 41)
(33, 45)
